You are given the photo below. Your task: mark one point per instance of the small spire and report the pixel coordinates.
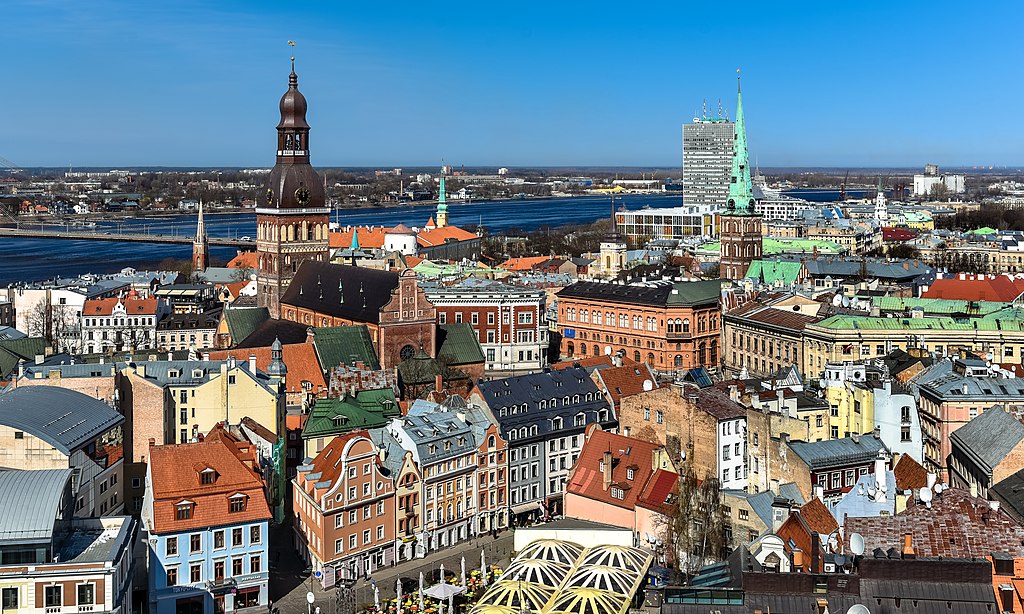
(293, 79)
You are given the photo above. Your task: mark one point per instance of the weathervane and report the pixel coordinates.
(291, 43)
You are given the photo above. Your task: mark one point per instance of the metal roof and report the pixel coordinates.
(65, 419)
(837, 452)
(29, 503)
(988, 438)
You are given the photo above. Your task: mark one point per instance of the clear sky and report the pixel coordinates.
(196, 83)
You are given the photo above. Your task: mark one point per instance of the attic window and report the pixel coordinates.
(174, 373)
(447, 445)
(207, 476)
(197, 373)
(183, 510)
(237, 503)
(617, 493)
(433, 449)
(338, 419)
(629, 474)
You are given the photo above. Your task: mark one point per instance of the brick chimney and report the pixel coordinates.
(606, 461)
(438, 383)
(908, 546)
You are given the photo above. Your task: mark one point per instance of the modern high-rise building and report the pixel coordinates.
(707, 162)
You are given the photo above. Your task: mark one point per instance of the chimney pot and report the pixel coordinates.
(908, 545)
(606, 460)
(252, 363)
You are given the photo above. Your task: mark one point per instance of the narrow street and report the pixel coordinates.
(288, 584)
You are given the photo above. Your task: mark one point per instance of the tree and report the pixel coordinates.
(939, 192)
(56, 324)
(697, 525)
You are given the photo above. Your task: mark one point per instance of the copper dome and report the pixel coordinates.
(293, 104)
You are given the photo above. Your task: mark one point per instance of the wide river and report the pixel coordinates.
(25, 259)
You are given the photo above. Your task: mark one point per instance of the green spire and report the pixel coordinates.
(741, 192)
(442, 197)
(355, 239)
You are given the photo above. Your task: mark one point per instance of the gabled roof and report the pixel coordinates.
(132, 306)
(531, 390)
(368, 409)
(988, 438)
(437, 434)
(175, 473)
(629, 456)
(65, 419)
(325, 471)
(592, 363)
(300, 358)
(447, 234)
(244, 260)
(772, 271)
(369, 238)
(242, 321)
(270, 330)
(626, 381)
(459, 344)
(30, 503)
(719, 405)
(837, 452)
(817, 517)
(345, 345)
(354, 293)
(909, 474)
(13, 351)
(976, 288)
(656, 493)
(522, 264)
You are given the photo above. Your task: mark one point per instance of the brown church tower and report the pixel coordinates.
(740, 224)
(292, 215)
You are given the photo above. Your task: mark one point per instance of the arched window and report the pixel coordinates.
(650, 358)
(686, 325)
(636, 356)
(491, 442)
(570, 349)
(678, 360)
(597, 350)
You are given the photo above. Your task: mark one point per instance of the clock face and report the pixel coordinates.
(302, 195)
(270, 196)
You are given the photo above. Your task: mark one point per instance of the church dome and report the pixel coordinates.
(293, 104)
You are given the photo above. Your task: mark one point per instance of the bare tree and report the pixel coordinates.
(698, 526)
(56, 324)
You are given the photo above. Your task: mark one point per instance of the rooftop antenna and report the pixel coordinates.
(704, 113)
(720, 115)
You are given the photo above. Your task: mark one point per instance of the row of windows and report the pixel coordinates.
(53, 596)
(353, 540)
(195, 570)
(137, 321)
(195, 540)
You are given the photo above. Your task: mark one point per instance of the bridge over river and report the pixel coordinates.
(135, 237)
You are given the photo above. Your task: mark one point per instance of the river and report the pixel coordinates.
(27, 259)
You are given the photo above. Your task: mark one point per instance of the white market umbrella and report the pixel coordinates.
(483, 567)
(421, 591)
(398, 592)
(376, 598)
(463, 576)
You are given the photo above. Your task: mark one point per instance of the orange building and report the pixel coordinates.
(673, 326)
(344, 504)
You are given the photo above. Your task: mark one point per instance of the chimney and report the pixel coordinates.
(39, 359)
(821, 606)
(734, 393)
(855, 437)
(784, 437)
(438, 383)
(252, 363)
(606, 461)
(819, 492)
(798, 560)
(170, 355)
(21, 368)
(908, 546)
(206, 357)
(310, 334)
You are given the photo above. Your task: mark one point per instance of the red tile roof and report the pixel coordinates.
(817, 517)
(132, 306)
(369, 238)
(956, 526)
(625, 381)
(655, 494)
(590, 363)
(244, 260)
(909, 474)
(300, 358)
(175, 471)
(977, 288)
(439, 236)
(522, 264)
(586, 479)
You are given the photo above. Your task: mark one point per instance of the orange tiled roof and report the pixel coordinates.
(369, 238)
(235, 288)
(625, 381)
(818, 518)
(593, 361)
(133, 307)
(175, 470)
(244, 260)
(976, 288)
(522, 264)
(438, 236)
(300, 358)
(627, 453)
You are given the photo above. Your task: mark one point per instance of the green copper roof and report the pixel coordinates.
(987, 230)
(13, 351)
(846, 322)
(771, 271)
(460, 345)
(938, 306)
(345, 345)
(242, 321)
(442, 197)
(369, 409)
(741, 192)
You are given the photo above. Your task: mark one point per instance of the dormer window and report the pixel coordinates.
(236, 503)
(629, 474)
(433, 449)
(207, 476)
(579, 420)
(197, 373)
(183, 510)
(174, 374)
(447, 445)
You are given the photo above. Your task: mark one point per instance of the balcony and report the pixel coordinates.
(678, 335)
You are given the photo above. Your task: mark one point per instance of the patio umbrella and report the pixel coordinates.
(451, 602)
(398, 592)
(441, 580)
(440, 608)
(483, 566)
(463, 576)
(376, 598)
(421, 591)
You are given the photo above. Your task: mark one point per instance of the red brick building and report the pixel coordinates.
(672, 326)
(392, 305)
(344, 505)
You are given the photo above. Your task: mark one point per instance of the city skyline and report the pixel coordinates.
(120, 84)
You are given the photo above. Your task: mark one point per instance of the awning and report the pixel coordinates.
(527, 507)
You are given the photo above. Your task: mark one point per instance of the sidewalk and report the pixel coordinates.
(288, 585)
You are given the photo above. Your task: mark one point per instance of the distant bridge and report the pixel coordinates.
(135, 237)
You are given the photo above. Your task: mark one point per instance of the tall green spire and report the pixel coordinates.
(442, 197)
(741, 191)
(355, 240)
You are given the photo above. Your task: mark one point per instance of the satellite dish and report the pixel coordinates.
(846, 301)
(925, 494)
(857, 544)
(858, 608)
(837, 300)
(607, 350)
(840, 560)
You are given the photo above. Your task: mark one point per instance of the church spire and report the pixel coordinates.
(741, 192)
(200, 248)
(442, 202)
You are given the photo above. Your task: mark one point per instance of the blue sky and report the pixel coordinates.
(190, 83)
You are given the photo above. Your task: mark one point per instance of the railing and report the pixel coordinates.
(86, 608)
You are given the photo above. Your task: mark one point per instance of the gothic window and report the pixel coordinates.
(678, 361)
(686, 325)
(407, 352)
(636, 356)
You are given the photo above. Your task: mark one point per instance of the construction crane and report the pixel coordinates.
(842, 187)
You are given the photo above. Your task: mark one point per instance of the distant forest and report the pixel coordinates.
(993, 216)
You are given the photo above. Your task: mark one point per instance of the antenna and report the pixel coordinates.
(704, 113)
(857, 544)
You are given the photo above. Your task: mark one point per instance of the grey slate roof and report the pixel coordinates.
(994, 389)
(65, 419)
(504, 395)
(355, 293)
(988, 438)
(437, 434)
(837, 452)
(660, 293)
(29, 502)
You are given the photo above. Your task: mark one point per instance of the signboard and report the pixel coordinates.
(569, 333)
